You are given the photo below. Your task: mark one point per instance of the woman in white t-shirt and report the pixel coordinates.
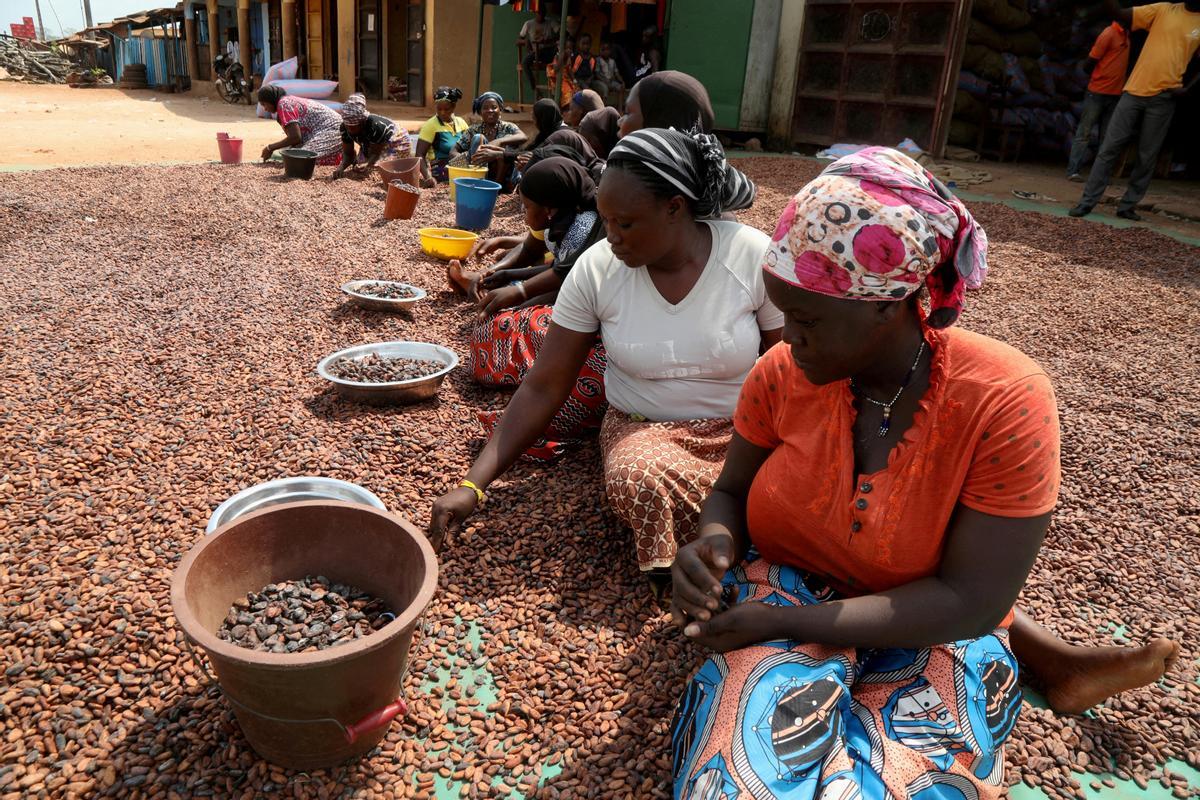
(681, 308)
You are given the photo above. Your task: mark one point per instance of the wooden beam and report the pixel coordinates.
(347, 52)
(287, 20)
(193, 57)
(243, 28)
(214, 33)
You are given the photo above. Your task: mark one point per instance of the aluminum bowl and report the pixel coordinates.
(290, 490)
(382, 303)
(397, 392)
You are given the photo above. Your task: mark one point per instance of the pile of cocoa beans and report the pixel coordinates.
(374, 368)
(158, 358)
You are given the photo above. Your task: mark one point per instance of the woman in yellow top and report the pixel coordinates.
(438, 136)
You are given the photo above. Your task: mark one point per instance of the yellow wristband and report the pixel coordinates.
(479, 495)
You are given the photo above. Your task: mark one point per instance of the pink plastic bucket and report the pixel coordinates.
(231, 150)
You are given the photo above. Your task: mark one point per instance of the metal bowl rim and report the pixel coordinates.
(215, 520)
(421, 294)
(323, 365)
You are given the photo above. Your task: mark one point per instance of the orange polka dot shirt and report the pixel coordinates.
(985, 435)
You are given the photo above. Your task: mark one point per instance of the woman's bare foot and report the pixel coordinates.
(1090, 675)
(460, 280)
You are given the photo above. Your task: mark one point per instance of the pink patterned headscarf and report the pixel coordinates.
(876, 225)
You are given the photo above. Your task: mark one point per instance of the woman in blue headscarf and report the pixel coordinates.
(489, 141)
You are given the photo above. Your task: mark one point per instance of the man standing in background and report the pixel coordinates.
(1145, 109)
(540, 36)
(1108, 62)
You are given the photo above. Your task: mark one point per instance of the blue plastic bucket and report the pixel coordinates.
(475, 200)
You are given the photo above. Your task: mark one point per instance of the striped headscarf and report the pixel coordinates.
(694, 164)
(876, 225)
(355, 108)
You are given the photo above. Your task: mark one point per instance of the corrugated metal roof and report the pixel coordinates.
(138, 20)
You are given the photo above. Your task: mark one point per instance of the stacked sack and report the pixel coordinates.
(283, 75)
(1014, 42)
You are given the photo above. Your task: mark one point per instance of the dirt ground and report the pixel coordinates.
(56, 126)
(1170, 204)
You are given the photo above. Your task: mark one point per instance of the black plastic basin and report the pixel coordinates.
(299, 163)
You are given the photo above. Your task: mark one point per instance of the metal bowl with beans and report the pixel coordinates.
(388, 372)
(383, 295)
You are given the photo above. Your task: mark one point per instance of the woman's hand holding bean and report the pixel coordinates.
(696, 575)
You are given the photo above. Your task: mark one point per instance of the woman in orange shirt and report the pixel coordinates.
(885, 495)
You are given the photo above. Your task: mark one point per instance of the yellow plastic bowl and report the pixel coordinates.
(464, 172)
(447, 243)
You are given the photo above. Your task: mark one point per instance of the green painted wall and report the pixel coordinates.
(506, 25)
(710, 40)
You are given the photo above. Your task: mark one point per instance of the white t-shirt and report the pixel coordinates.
(539, 34)
(674, 362)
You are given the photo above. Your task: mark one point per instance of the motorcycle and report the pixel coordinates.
(232, 85)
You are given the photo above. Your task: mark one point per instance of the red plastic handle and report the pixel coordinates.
(375, 719)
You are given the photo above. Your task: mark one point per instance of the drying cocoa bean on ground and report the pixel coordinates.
(388, 291)
(156, 363)
(303, 616)
(374, 368)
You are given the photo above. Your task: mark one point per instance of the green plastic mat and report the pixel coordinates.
(475, 674)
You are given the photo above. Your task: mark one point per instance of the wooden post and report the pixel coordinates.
(41, 28)
(347, 53)
(193, 56)
(214, 33)
(479, 51)
(243, 19)
(560, 60)
(288, 21)
(429, 33)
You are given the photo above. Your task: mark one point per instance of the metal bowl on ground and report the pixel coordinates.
(290, 490)
(395, 392)
(382, 303)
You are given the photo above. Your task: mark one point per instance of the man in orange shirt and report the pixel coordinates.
(1107, 62)
(1145, 109)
